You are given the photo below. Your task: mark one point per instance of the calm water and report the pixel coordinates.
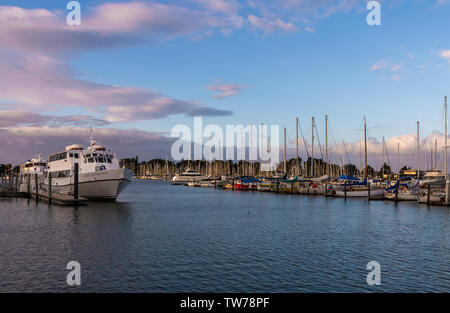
(163, 238)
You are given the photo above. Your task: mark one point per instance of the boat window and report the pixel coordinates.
(109, 160)
(60, 174)
(71, 155)
(76, 155)
(91, 160)
(100, 168)
(101, 160)
(94, 154)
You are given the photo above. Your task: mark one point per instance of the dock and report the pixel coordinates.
(12, 194)
(61, 200)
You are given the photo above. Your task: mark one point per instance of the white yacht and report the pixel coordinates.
(187, 176)
(35, 166)
(100, 175)
(433, 178)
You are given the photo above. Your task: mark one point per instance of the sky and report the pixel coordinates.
(134, 69)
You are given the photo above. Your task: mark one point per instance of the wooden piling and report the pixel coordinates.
(396, 191)
(29, 185)
(345, 190)
(368, 191)
(428, 194)
(75, 181)
(36, 187)
(49, 188)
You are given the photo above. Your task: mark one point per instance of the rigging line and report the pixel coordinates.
(348, 160)
(387, 155)
(345, 151)
(332, 136)
(304, 141)
(318, 140)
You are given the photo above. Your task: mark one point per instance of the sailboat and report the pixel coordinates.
(362, 189)
(438, 195)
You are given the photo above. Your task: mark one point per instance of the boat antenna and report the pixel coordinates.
(92, 139)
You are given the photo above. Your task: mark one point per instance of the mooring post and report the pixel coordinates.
(36, 186)
(49, 188)
(428, 194)
(368, 191)
(233, 184)
(345, 190)
(29, 185)
(278, 185)
(326, 188)
(75, 181)
(396, 191)
(447, 191)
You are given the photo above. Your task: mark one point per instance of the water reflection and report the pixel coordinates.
(162, 238)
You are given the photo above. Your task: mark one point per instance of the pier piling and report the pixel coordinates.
(75, 181)
(49, 188)
(368, 191)
(36, 186)
(29, 186)
(396, 191)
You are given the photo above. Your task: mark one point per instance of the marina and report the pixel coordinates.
(224, 155)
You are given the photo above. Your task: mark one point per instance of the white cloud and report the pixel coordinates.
(271, 25)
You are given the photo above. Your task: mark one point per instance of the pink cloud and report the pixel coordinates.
(38, 82)
(225, 90)
(21, 142)
(445, 54)
(107, 25)
(271, 25)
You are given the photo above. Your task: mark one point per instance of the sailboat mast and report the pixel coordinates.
(418, 150)
(365, 149)
(312, 148)
(383, 161)
(435, 153)
(398, 159)
(445, 138)
(296, 142)
(326, 144)
(285, 148)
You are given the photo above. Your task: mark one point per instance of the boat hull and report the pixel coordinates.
(359, 193)
(101, 185)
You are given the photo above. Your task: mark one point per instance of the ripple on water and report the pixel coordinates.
(162, 238)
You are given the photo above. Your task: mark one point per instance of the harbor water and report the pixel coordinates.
(163, 238)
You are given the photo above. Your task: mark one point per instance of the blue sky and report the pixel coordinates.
(310, 64)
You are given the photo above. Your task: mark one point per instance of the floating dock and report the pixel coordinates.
(62, 200)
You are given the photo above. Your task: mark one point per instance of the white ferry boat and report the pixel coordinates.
(100, 175)
(187, 177)
(35, 166)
